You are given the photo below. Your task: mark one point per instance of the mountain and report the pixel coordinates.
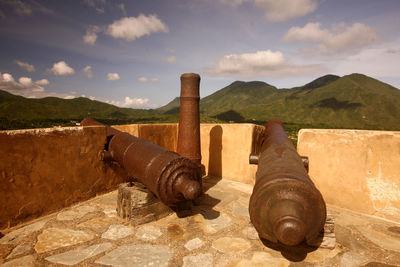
(319, 82)
(18, 107)
(20, 112)
(170, 108)
(237, 94)
(353, 101)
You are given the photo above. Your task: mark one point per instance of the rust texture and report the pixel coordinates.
(189, 118)
(171, 177)
(285, 206)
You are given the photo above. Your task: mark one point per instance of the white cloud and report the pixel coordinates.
(69, 97)
(142, 103)
(43, 82)
(28, 67)
(339, 39)
(25, 86)
(171, 59)
(135, 102)
(6, 77)
(381, 61)
(113, 76)
(25, 81)
(284, 10)
(98, 5)
(143, 80)
(262, 63)
(131, 28)
(90, 37)
(88, 71)
(61, 68)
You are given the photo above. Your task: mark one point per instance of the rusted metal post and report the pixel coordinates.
(171, 177)
(285, 205)
(189, 118)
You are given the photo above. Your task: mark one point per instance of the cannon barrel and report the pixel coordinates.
(171, 177)
(189, 118)
(285, 205)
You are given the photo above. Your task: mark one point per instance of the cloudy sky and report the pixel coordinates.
(132, 53)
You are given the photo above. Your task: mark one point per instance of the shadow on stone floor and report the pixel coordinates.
(203, 205)
(294, 254)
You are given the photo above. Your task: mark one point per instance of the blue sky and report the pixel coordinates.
(132, 53)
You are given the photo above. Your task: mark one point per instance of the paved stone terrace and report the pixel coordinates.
(216, 234)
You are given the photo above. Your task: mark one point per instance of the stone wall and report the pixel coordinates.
(225, 150)
(354, 169)
(44, 170)
(164, 135)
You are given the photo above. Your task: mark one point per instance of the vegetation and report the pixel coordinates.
(354, 101)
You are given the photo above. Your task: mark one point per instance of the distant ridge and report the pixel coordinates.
(321, 81)
(354, 101)
(20, 112)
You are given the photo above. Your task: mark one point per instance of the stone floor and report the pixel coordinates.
(216, 234)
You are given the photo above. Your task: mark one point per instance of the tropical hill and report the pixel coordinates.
(19, 112)
(353, 101)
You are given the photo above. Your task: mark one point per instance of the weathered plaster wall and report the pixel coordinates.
(358, 170)
(164, 135)
(44, 170)
(225, 150)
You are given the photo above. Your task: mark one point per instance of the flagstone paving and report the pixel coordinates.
(217, 232)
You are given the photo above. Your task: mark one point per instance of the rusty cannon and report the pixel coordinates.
(169, 176)
(189, 118)
(285, 205)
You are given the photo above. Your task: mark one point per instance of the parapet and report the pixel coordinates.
(355, 169)
(45, 170)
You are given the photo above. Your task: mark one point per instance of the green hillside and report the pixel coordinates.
(319, 82)
(170, 108)
(19, 112)
(354, 101)
(237, 94)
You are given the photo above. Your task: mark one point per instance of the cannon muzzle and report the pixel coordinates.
(285, 205)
